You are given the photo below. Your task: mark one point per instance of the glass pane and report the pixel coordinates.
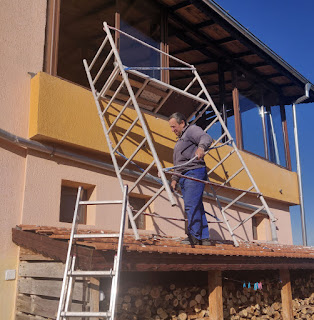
(141, 19)
(277, 137)
(252, 128)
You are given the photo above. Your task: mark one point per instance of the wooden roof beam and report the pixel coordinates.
(188, 27)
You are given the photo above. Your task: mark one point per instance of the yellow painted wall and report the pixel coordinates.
(65, 113)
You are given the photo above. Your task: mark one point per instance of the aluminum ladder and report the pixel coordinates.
(70, 272)
(128, 87)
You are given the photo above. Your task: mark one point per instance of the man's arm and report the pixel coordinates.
(201, 139)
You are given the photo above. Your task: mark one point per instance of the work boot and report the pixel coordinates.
(190, 240)
(206, 242)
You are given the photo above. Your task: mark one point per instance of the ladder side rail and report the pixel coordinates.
(141, 119)
(70, 287)
(271, 216)
(113, 158)
(68, 258)
(119, 253)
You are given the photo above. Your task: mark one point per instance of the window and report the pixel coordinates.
(67, 202)
(137, 202)
(141, 19)
(252, 126)
(67, 205)
(260, 227)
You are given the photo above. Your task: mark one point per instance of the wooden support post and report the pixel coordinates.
(286, 295)
(236, 110)
(215, 295)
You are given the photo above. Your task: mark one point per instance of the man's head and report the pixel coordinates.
(177, 122)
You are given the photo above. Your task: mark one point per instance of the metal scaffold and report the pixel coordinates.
(113, 83)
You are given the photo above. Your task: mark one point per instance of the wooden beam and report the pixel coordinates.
(236, 111)
(286, 295)
(285, 137)
(215, 295)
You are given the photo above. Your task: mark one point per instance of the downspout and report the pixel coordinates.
(297, 152)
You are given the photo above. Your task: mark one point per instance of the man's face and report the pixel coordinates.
(176, 127)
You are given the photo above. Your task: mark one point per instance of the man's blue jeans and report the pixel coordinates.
(192, 192)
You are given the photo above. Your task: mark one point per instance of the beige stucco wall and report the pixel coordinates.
(42, 201)
(22, 25)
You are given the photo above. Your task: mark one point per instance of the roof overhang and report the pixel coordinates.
(160, 254)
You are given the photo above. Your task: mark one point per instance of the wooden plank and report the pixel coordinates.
(94, 294)
(49, 288)
(285, 136)
(29, 255)
(286, 295)
(40, 306)
(215, 295)
(24, 316)
(41, 269)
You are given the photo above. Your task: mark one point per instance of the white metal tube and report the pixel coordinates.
(98, 53)
(124, 136)
(297, 153)
(113, 97)
(141, 119)
(234, 175)
(142, 175)
(220, 162)
(102, 67)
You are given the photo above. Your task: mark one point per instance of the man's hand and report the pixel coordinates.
(173, 185)
(200, 153)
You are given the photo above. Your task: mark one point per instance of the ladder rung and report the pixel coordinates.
(200, 114)
(163, 101)
(124, 136)
(220, 162)
(237, 198)
(149, 202)
(211, 124)
(249, 217)
(142, 176)
(113, 97)
(234, 175)
(95, 235)
(199, 94)
(98, 52)
(190, 84)
(79, 273)
(86, 314)
(109, 82)
(220, 138)
(133, 155)
(103, 67)
(119, 115)
(86, 203)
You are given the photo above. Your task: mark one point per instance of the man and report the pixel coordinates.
(192, 141)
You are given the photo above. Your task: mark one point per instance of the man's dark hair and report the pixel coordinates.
(179, 117)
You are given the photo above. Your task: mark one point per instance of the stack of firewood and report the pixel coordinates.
(247, 303)
(303, 297)
(159, 303)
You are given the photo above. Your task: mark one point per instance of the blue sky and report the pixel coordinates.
(286, 26)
